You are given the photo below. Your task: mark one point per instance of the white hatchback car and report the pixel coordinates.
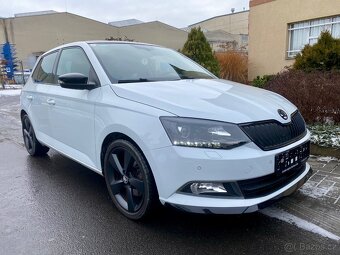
(159, 127)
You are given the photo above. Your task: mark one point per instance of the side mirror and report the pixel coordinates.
(75, 81)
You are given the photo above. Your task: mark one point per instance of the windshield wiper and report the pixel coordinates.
(192, 77)
(134, 80)
(186, 77)
(146, 80)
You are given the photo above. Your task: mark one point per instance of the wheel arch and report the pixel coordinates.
(118, 135)
(113, 137)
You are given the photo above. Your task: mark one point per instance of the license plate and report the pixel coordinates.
(289, 159)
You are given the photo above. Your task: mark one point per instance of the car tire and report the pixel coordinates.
(32, 145)
(129, 180)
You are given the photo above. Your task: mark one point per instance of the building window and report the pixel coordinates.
(308, 32)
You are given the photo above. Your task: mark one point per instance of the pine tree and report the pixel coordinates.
(324, 55)
(198, 49)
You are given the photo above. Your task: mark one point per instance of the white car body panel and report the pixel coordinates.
(35, 102)
(78, 121)
(148, 134)
(75, 108)
(208, 99)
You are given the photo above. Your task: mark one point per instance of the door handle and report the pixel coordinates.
(29, 97)
(50, 101)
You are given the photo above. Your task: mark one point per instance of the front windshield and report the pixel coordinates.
(124, 63)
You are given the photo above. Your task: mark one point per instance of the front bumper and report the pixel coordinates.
(210, 205)
(175, 166)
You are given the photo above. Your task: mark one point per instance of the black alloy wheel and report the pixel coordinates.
(129, 180)
(32, 145)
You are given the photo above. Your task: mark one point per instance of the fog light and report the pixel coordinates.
(207, 187)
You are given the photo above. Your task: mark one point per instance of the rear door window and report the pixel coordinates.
(43, 73)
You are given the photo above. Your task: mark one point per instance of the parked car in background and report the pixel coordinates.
(160, 128)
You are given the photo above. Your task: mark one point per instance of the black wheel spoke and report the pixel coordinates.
(27, 142)
(30, 130)
(111, 177)
(30, 141)
(27, 124)
(138, 184)
(116, 186)
(114, 162)
(26, 133)
(130, 201)
(128, 161)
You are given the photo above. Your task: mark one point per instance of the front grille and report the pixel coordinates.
(271, 134)
(268, 184)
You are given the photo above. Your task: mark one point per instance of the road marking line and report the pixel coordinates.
(335, 167)
(330, 187)
(321, 181)
(292, 219)
(337, 200)
(315, 216)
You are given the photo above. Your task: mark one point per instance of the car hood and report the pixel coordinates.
(208, 99)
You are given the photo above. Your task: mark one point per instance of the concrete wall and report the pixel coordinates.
(268, 30)
(221, 41)
(236, 23)
(36, 34)
(39, 33)
(156, 33)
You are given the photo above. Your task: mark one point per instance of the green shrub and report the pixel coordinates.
(198, 49)
(324, 55)
(261, 82)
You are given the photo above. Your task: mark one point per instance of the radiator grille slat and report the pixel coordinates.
(271, 134)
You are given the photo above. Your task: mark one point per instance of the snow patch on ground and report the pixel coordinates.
(325, 135)
(10, 92)
(14, 86)
(292, 219)
(326, 159)
(310, 190)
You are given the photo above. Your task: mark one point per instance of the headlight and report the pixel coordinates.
(203, 133)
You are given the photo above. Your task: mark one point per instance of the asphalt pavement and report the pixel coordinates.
(52, 205)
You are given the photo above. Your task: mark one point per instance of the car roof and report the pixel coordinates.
(82, 43)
